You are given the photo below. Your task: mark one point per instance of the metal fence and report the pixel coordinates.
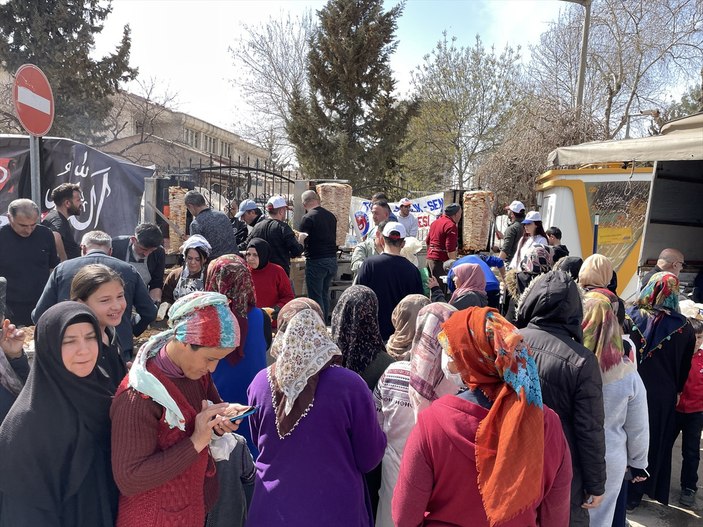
(234, 180)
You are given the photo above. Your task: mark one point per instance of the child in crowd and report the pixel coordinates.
(689, 420)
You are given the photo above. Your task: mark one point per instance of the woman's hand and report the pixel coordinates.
(205, 422)
(11, 340)
(432, 282)
(225, 425)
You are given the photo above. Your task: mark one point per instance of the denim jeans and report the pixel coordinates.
(318, 278)
(691, 426)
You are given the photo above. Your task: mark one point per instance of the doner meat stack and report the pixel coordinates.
(336, 198)
(478, 214)
(177, 213)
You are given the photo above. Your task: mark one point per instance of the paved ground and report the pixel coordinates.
(654, 514)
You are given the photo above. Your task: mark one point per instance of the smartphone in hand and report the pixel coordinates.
(246, 413)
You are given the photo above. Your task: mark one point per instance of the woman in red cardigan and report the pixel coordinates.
(271, 283)
(167, 413)
(493, 454)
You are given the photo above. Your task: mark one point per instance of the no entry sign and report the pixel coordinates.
(34, 101)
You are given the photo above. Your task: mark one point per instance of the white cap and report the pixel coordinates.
(516, 206)
(405, 201)
(276, 202)
(532, 217)
(394, 226)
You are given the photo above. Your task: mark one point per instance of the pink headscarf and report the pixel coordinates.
(469, 278)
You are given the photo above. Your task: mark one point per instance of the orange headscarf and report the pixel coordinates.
(491, 356)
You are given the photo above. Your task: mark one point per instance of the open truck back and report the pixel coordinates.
(641, 210)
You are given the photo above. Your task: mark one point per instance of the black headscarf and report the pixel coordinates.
(571, 265)
(57, 433)
(355, 328)
(263, 249)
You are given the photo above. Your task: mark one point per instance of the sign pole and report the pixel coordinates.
(35, 178)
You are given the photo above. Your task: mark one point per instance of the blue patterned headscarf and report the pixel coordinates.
(200, 318)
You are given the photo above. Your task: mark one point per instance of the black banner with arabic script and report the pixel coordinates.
(112, 189)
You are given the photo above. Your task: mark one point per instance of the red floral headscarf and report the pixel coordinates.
(230, 276)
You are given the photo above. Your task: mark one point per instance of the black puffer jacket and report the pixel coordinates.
(551, 312)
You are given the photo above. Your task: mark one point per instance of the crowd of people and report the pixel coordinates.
(418, 398)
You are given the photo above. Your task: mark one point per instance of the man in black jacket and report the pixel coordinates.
(144, 251)
(550, 311)
(279, 235)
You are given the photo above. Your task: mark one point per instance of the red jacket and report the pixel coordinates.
(442, 238)
(437, 484)
(180, 502)
(692, 396)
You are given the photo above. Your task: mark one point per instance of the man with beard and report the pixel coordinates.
(67, 202)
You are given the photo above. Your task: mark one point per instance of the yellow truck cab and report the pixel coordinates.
(645, 194)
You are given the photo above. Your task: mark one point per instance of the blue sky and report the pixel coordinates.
(183, 43)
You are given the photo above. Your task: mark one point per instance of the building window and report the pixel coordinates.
(192, 138)
(225, 149)
(209, 144)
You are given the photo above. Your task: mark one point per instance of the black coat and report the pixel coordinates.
(551, 313)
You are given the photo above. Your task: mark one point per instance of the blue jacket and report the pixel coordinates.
(58, 289)
(485, 262)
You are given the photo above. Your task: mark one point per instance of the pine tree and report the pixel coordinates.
(58, 36)
(350, 125)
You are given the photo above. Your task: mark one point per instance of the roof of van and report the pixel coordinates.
(680, 140)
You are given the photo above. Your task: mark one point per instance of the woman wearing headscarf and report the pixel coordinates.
(55, 441)
(271, 283)
(664, 342)
(597, 273)
(355, 331)
(537, 261)
(316, 430)
(230, 276)
(569, 264)
(508, 463)
(470, 287)
(624, 400)
(404, 318)
(191, 276)
(395, 410)
(162, 425)
(427, 380)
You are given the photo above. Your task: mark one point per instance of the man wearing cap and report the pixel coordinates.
(391, 276)
(212, 225)
(320, 249)
(512, 235)
(406, 218)
(249, 214)
(442, 241)
(278, 233)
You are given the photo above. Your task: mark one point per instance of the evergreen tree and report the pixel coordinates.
(58, 36)
(350, 125)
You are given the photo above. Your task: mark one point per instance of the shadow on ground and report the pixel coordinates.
(654, 514)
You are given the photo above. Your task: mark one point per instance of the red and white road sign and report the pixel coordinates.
(33, 99)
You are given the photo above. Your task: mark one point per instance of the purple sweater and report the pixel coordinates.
(315, 475)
